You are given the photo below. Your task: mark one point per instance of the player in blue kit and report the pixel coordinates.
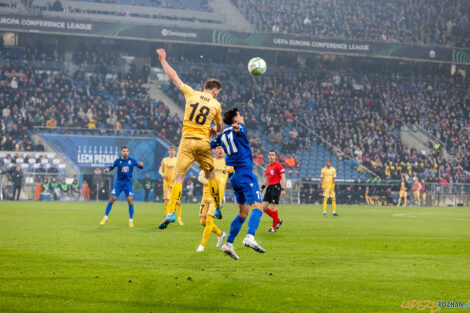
(245, 184)
(125, 166)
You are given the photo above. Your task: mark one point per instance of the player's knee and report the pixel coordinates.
(130, 201)
(202, 221)
(112, 199)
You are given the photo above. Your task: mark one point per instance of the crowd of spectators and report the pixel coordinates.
(360, 112)
(423, 21)
(82, 100)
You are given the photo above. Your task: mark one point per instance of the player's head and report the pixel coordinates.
(219, 152)
(328, 163)
(232, 116)
(124, 152)
(171, 151)
(213, 86)
(272, 156)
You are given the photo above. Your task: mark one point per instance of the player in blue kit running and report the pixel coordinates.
(245, 184)
(125, 166)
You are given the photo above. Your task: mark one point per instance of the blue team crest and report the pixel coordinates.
(125, 169)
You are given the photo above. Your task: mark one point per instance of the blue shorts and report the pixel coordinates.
(120, 188)
(246, 188)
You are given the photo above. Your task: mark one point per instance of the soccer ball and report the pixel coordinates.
(257, 66)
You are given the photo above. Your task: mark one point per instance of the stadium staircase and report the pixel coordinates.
(66, 166)
(232, 14)
(415, 137)
(157, 94)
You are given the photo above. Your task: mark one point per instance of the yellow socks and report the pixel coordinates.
(325, 203)
(207, 230)
(175, 197)
(166, 207)
(216, 230)
(214, 188)
(333, 204)
(399, 201)
(178, 208)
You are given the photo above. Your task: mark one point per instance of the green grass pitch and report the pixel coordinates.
(55, 257)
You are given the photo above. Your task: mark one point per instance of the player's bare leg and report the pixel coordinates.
(108, 210)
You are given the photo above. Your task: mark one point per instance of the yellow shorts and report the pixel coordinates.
(329, 193)
(207, 207)
(194, 149)
(167, 191)
(403, 194)
(423, 195)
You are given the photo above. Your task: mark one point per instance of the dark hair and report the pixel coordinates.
(212, 83)
(272, 150)
(229, 115)
(171, 147)
(122, 148)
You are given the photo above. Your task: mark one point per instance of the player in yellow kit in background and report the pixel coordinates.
(167, 171)
(201, 109)
(403, 191)
(328, 176)
(207, 211)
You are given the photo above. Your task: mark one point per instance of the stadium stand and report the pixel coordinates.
(443, 22)
(329, 114)
(361, 113)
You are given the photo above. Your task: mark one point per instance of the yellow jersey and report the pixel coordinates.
(222, 172)
(167, 167)
(328, 175)
(200, 110)
(402, 186)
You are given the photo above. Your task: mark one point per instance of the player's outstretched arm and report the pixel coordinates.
(111, 167)
(169, 71)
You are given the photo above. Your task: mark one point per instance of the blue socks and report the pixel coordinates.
(254, 220)
(131, 211)
(108, 208)
(235, 228)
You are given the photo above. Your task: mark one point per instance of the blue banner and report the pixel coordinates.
(91, 152)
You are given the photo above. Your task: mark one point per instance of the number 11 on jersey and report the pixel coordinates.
(228, 143)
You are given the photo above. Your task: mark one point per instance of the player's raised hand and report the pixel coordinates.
(212, 132)
(161, 54)
(141, 164)
(106, 170)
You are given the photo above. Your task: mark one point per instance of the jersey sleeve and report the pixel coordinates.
(186, 90)
(281, 169)
(202, 178)
(162, 168)
(322, 173)
(136, 163)
(230, 170)
(334, 173)
(215, 142)
(114, 165)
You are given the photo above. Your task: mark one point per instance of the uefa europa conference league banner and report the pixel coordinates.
(249, 40)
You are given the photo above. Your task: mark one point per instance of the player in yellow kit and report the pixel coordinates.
(207, 211)
(403, 194)
(201, 109)
(167, 171)
(328, 176)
